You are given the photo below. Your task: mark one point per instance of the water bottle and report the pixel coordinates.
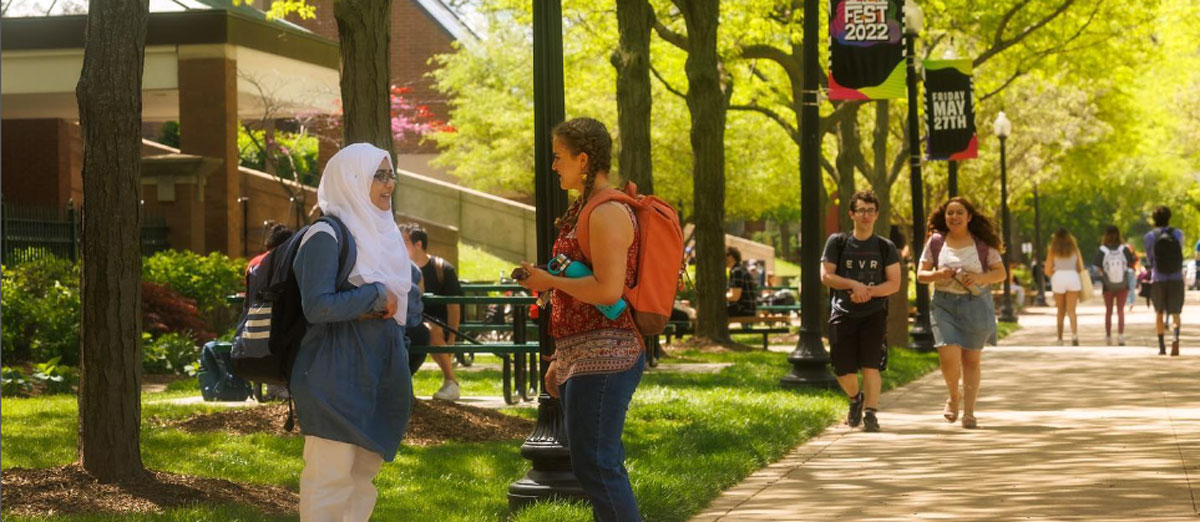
(563, 266)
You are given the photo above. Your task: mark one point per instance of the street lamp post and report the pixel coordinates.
(1003, 127)
(547, 448)
(1040, 271)
(810, 361)
(921, 335)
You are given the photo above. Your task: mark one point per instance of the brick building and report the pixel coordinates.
(200, 56)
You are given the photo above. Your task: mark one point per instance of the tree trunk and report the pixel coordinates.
(707, 102)
(879, 183)
(365, 39)
(109, 94)
(845, 163)
(632, 61)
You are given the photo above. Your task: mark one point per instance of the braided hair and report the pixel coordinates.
(584, 135)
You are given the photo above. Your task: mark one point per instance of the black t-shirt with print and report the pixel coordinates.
(864, 261)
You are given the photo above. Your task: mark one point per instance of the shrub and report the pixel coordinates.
(54, 378)
(165, 311)
(169, 353)
(13, 383)
(40, 300)
(204, 279)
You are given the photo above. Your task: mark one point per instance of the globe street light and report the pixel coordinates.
(921, 335)
(1003, 128)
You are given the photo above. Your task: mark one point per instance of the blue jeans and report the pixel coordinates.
(594, 408)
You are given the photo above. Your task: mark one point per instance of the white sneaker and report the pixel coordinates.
(448, 392)
(1059, 342)
(1121, 340)
(1108, 340)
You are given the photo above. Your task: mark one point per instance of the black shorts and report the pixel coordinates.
(858, 342)
(1167, 296)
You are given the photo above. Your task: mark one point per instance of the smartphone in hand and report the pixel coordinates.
(519, 273)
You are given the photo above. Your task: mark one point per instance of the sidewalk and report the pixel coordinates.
(1066, 433)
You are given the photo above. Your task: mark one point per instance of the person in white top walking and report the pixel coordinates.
(1063, 265)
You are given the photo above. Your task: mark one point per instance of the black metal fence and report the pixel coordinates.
(31, 232)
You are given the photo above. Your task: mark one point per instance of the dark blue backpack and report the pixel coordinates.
(217, 383)
(273, 323)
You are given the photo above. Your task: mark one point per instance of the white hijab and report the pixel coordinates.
(344, 192)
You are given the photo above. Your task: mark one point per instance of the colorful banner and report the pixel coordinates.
(866, 50)
(949, 111)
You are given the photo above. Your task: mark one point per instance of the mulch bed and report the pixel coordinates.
(69, 489)
(432, 422)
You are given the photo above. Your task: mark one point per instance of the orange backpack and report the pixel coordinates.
(660, 255)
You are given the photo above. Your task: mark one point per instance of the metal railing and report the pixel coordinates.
(29, 232)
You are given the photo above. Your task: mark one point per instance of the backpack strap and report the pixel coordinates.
(347, 253)
(936, 241)
(629, 197)
(982, 250)
(438, 269)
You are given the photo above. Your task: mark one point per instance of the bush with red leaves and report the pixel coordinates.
(164, 310)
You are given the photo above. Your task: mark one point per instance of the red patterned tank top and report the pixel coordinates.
(586, 342)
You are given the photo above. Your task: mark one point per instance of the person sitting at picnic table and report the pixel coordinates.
(740, 295)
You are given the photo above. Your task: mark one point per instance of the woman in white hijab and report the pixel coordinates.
(350, 382)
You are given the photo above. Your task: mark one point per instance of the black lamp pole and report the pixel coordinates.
(810, 361)
(952, 179)
(1040, 272)
(547, 447)
(921, 336)
(1006, 312)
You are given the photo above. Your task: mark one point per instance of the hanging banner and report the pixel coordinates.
(949, 111)
(866, 50)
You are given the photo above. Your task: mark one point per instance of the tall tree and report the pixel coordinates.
(109, 94)
(632, 61)
(708, 101)
(365, 39)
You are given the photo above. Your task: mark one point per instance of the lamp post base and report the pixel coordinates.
(551, 476)
(810, 364)
(921, 338)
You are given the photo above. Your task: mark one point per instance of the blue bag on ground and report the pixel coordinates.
(217, 382)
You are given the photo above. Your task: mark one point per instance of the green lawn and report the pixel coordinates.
(688, 437)
(476, 264)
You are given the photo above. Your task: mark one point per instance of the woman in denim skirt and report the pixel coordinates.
(961, 259)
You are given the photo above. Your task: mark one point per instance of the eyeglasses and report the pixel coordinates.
(865, 211)
(384, 176)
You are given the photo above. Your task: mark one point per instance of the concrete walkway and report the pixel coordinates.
(1066, 433)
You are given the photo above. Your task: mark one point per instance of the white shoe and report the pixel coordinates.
(1108, 340)
(448, 392)
(1074, 340)
(1059, 342)
(1121, 340)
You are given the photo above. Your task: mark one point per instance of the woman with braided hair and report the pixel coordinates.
(598, 361)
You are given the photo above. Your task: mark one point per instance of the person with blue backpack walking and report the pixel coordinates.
(350, 379)
(1164, 253)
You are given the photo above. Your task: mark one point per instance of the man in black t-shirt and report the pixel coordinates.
(440, 278)
(861, 269)
(741, 292)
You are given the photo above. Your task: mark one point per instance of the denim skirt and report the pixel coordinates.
(964, 320)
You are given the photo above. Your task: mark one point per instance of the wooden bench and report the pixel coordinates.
(770, 325)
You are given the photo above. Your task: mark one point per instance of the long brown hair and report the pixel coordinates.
(588, 135)
(980, 226)
(1063, 243)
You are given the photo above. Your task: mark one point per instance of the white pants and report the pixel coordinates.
(335, 485)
